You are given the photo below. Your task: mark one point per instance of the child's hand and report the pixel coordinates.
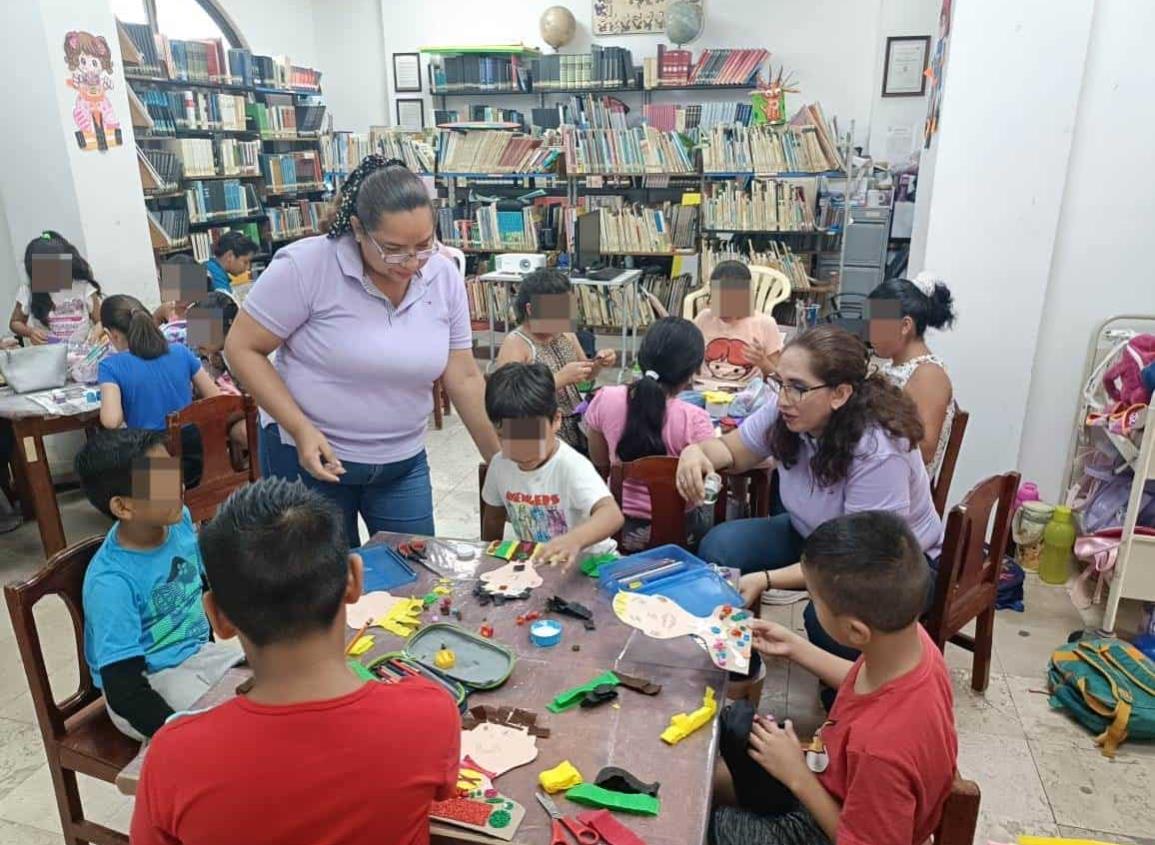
(773, 640)
(605, 358)
(562, 550)
(759, 356)
(39, 337)
(751, 586)
(777, 750)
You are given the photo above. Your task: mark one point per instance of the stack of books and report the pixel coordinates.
(473, 72)
(221, 199)
(777, 257)
(671, 67)
(415, 149)
(670, 292)
(193, 110)
(239, 158)
(633, 231)
(726, 149)
(637, 151)
(279, 72)
(812, 117)
(168, 228)
(296, 219)
(791, 149)
(608, 309)
(160, 170)
(160, 110)
(288, 172)
(496, 152)
(681, 118)
(276, 118)
(770, 205)
(195, 155)
(601, 68)
(204, 242)
(310, 116)
(487, 228)
(728, 67)
(341, 152)
(151, 64)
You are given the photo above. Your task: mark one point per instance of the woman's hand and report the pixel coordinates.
(605, 358)
(693, 467)
(575, 372)
(771, 639)
(38, 337)
(316, 455)
(751, 586)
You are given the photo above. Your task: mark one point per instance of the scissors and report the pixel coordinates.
(582, 833)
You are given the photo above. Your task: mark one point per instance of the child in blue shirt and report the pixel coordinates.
(146, 638)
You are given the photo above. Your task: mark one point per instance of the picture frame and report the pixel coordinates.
(407, 73)
(906, 60)
(410, 113)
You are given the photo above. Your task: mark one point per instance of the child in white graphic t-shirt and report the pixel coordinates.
(547, 491)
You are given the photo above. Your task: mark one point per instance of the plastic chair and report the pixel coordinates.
(213, 417)
(441, 403)
(771, 288)
(78, 734)
(960, 814)
(968, 571)
(940, 485)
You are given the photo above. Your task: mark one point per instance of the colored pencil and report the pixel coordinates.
(357, 636)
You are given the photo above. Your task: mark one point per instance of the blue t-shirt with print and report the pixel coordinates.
(145, 603)
(219, 278)
(151, 389)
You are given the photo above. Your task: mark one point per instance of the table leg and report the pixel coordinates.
(35, 480)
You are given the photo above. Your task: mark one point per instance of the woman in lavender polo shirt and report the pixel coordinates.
(844, 441)
(363, 321)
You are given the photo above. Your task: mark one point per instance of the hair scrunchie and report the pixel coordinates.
(652, 374)
(347, 200)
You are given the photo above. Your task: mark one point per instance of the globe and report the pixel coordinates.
(557, 26)
(683, 21)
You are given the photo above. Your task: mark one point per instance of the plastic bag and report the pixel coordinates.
(752, 397)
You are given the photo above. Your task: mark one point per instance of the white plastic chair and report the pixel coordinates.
(771, 288)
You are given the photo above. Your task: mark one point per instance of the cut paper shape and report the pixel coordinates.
(512, 549)
(617, 779)
(561, 777)
(594, 796)
(370, 607)
(573, 696)
(684, 724)
(361, 646)
(498, 748)
(513, 579)
(725, 634)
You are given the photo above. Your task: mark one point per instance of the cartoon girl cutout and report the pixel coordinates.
(726, 360)
(90, 61)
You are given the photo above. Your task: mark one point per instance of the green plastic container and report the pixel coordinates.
(1058, 542)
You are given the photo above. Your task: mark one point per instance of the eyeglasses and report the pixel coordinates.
(402, 256)
(792, 391)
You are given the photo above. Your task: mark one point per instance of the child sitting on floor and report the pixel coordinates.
(310, 753)
(146, 638)
(882, 764)
(740, 345)
(549, 492)
(646, 418)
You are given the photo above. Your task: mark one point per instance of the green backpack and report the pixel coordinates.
(1109, 686)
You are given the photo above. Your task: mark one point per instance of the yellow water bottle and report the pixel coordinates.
(1058, 541)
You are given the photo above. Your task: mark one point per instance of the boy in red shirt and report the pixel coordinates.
(881, 766)
(311, 753)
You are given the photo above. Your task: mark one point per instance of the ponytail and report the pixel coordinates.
(376, 186)
(126, 315)
(671, 353)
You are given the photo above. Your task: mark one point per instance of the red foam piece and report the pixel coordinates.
(609, 828)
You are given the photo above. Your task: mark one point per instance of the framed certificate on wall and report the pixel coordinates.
(906, 59)
(407, 73)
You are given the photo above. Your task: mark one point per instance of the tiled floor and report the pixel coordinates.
(1039, 772)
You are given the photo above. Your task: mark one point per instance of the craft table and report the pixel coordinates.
(625, 736)
(30, 425)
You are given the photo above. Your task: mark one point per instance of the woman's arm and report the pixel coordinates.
(698, 460)
(513, 351)
(930, 388)
(466, 388)
(111, 409)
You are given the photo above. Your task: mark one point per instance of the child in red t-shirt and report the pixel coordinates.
(881, 766)
(311, 753)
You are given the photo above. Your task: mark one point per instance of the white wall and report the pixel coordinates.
(351, 55)
(278, 27)
(1101, 264)
(895, 18)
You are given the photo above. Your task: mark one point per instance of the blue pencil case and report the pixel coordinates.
(673, 572)
(384, 568)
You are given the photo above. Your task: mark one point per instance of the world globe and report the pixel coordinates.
(683, 21)
(557, 26)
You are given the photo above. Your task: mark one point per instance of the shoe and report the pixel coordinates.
(782, 597)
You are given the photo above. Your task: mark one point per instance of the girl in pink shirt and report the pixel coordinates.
(646, 418)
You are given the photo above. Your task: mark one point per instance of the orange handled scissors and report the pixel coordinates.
(584, 834)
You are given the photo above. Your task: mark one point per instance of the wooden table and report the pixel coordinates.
(626, 736)
(30, 425)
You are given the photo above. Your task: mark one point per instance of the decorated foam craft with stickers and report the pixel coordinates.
(513, 579)
(725, 634)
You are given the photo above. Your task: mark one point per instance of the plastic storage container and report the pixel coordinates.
(1058, 541)
(1027, 528)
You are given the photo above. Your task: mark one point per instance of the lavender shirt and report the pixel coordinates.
(360, 369)
(885, 474)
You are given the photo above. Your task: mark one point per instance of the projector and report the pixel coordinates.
(520, 262)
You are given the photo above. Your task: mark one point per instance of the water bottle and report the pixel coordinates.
(1028, 492)
(713, 486)
(1058, 541)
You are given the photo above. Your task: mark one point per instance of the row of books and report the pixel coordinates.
(413, 148)
(769, 205)
(203, 242)
(728, 67)
(776, 256)
(168, 228)
(274, 119)
(602, 67)
(597, 307)
(640, 150)
(485, 227)
(593, 112)
(223, 198)
(284, 172)
(238, 158)
(195, 155)
(734, 148)
(480, 113)
(683, 118)
(160, 170)
(496, 152)
(635, 230)
(473, 72)
(296, 219)
(341, 152)
(670, 291)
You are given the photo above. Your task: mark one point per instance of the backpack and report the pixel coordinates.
(1109, 686)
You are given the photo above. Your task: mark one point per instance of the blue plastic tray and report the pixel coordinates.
(691, 582)
(384, 568)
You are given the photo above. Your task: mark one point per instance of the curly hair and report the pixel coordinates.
(376, 186)
(77, 43)
(838, 357)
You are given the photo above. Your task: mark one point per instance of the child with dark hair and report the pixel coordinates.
(61, 300)
(881, 766)
(900, 313)
(280, 576)
(146, 639)
(647, 418)
(209, 320)
(547, 317)
(549, 492)
(182, 282)
(740, 344)
(232, 256)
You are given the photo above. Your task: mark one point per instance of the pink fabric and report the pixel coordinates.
(685, 424)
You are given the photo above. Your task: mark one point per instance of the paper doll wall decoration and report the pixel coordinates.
(725, 634)
(89, 62)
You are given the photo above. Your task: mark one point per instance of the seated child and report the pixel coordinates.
(739, 344)
(232, 257)
(182, 282)
(646, 418)
(546, 317)
(549, 492)
(882, 764)
(209, 321)
(304, 755)
(146, 638)
(61, 300)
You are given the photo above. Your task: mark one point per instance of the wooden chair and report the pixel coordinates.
(79, 736)
(960, 814)
(658, 475)
(940, 485)
(968, 571)
(219, 477)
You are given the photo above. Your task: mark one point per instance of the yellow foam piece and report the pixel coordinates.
(444, 659)
(403, 618)
(442, 590)
(561, 777)
(684, 724)
(717, 397)
(361, 646)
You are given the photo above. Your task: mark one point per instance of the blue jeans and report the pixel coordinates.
(389, 497)
(751, 545)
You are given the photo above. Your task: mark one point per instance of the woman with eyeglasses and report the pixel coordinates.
(844, 440)
(363, 321)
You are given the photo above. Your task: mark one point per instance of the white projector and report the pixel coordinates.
(520, 262)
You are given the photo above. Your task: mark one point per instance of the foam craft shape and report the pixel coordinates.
(573, 696)
(610, 829)
(594, 796)
(362, 645)
(403, 618)
(561, 777)
(370, 608)
(684, 724)
(513, 579)
(725, 634)
(499, 816)
(498, 748)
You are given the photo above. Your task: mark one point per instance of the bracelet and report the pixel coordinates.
(767, 574)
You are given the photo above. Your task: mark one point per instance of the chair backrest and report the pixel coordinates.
(771, 288)
(667, 507)
(62, 576)
(457, 255)
(940, 485)
(960, 814)
(974, 544)
(213, 417)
